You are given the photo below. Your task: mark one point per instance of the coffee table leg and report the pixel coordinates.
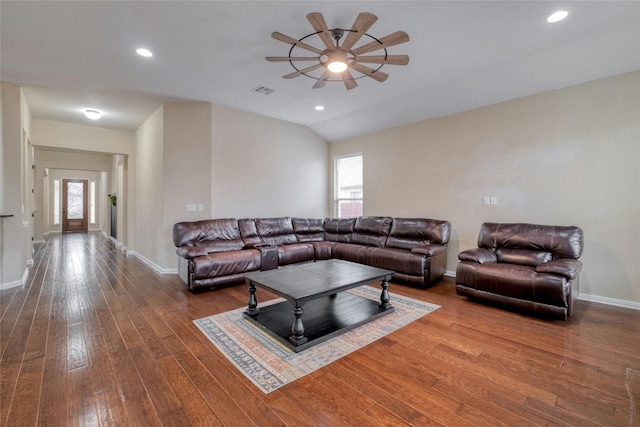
(297, 330)
(252, 305)
(384, 297)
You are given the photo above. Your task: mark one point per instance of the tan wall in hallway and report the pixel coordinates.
(569, 156)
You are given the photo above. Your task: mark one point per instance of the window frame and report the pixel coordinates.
(337, 200)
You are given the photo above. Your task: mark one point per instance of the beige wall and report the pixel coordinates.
(49, 133)
(567, 157)
(16, 231)
(187, 168)
(263, 167)
(149, 199)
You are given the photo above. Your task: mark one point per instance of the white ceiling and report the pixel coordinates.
(69, 56)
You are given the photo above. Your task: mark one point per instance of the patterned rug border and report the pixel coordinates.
(270, 365)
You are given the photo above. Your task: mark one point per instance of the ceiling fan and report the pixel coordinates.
(342, 59)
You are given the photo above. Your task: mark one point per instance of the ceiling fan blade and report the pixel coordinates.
(348, 79)
(301, 72)
(381, 59)
(363, 22)
(291, 58)
(284, 38)
(322, 80)
(318, 23)
(374, 74)
(387, 41)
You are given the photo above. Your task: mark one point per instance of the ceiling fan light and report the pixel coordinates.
(92, 114)
(337, 66)
(337, 61)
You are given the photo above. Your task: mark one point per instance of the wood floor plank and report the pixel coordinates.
(97, 338)
(194, 406)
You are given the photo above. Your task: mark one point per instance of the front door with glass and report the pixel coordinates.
(74, 205)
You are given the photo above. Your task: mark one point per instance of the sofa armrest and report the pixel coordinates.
(190, 252)
(479, 255)
(429, 250)
(567, 267)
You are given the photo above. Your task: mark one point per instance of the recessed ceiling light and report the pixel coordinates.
(319, 107)
(144, 52)
(93, 114)
(557, 16)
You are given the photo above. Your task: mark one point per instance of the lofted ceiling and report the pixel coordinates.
(69, 56)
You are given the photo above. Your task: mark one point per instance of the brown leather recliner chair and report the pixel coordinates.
(529, 267)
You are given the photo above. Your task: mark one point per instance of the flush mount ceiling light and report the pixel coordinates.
(92, 114)
(340, 61)
(319, 107)
(144, 52)
(557, 16)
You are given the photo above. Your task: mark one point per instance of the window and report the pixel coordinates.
(348, 191)
(56, 202)
(92, 202)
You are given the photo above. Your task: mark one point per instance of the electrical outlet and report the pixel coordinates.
(494, 200)
(191, 208)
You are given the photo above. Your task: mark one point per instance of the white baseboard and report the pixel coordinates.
(36, 242)
(610, 301)
(16, 283)
(450, 273)
(155, 267)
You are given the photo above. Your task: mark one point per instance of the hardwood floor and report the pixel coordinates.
(96, 338)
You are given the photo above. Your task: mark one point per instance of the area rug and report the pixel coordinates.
(270, 365)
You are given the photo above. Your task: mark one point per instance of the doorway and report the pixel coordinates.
(74, 205)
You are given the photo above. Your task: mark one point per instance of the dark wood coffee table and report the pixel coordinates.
(318, 287)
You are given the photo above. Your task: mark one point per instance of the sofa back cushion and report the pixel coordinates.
(559, 241)
(275, 231)
(408, 233)
(338, 229)
(217, 234)
(248, 231)
(308, 229)
(371, 230)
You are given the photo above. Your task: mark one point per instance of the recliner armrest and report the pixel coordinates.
(567, 267)
(429, 250)
(479, 255)
(190, 252)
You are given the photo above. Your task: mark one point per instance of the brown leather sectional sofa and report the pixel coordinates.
(217, 252)
(528, 267)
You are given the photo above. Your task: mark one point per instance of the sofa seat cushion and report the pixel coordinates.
(323, 250)
(515, 281)
(226, 263)
(297, 252)
(398, 260)
(205, 248)
(350, 252)
(522, 256)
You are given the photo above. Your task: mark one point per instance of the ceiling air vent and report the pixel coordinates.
(263, 90)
